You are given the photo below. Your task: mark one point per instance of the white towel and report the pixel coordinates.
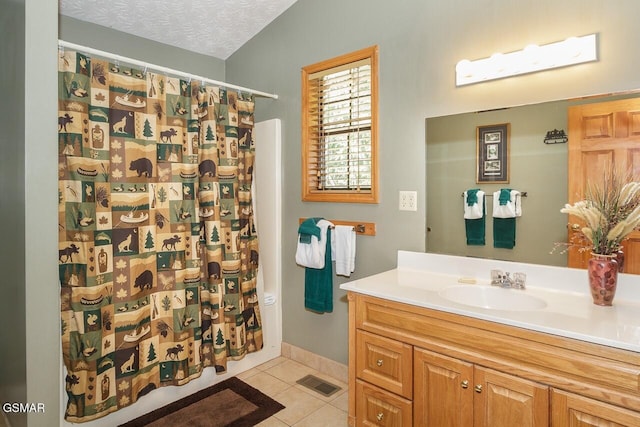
(476, 210)
(312, 254)
(343, 249)
(512, 209)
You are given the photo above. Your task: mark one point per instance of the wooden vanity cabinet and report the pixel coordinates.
(413, 366)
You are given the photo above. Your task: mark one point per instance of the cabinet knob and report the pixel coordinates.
(380, 416)
(478, 388)
(379, 362)
(464, 384)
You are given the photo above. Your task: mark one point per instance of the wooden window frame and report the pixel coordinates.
(309, 193)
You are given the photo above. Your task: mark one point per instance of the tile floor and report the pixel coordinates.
(303, 407)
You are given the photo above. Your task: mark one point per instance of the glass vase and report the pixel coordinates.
(603, 278)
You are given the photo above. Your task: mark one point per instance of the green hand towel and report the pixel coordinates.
(475, 229)
(307, 229)
(318, 283)
(504, 233)
(472, 196)
(505, 196)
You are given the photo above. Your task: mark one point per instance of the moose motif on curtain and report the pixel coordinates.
(157, 249)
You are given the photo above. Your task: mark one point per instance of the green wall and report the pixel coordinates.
(13, 369)
(420, 42)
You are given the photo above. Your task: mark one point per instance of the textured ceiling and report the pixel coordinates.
(211, 27)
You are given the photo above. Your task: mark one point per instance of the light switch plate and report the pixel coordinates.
(408, 201)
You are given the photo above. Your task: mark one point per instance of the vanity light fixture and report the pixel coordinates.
(533, 58)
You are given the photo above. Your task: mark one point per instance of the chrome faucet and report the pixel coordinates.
(504, 280)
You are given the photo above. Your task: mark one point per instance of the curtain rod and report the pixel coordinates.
(160, 68)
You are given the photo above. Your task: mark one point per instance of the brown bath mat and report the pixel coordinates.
(230, 403)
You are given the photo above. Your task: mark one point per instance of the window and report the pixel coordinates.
(339, 129)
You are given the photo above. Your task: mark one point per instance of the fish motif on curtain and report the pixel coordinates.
(158, 253)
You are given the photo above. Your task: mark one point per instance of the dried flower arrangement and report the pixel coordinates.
(610, 210)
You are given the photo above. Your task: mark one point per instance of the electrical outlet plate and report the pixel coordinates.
(408, 201)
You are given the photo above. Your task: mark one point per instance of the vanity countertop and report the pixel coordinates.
(420, 277)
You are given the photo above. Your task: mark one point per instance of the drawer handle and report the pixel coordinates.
(380, 416)
(465, 384)
(379, 362)
(478, 388)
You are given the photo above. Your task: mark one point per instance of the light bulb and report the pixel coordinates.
(573, 47)
(464, 68)
(532, 54)
(498, 63)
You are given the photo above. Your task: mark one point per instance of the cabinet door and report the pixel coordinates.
(377, 407)
(570, 410)
(443, 390)
(503, 400)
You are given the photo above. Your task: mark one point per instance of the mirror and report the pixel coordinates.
(536, 168)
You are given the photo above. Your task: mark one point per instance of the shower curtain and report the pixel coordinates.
(158, 254)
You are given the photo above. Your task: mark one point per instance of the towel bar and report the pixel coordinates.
(522, 194)
(361, 228)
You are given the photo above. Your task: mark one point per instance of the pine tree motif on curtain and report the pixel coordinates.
(157, 250)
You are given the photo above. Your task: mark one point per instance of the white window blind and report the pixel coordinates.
(340, 119)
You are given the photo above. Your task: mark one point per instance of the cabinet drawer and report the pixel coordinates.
(376, 407)
(385, 362)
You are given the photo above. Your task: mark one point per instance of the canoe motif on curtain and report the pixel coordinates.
(157, 250)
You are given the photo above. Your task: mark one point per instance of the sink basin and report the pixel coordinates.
(492, 298)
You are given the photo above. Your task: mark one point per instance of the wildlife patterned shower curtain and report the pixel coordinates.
(157, 249)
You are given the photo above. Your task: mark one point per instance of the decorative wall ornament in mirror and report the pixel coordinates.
(556, 137)
(540, 169)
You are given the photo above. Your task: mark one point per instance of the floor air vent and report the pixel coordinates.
(316, 384)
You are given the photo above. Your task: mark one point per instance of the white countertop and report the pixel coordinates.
(570, 312)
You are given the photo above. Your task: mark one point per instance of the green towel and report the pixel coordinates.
(472, 196)
(504, 229)
(475, 229)
(504, 233)
(307, 229)
(318, 283)
(505, 196)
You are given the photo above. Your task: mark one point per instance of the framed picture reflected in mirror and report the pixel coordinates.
(492, 154)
